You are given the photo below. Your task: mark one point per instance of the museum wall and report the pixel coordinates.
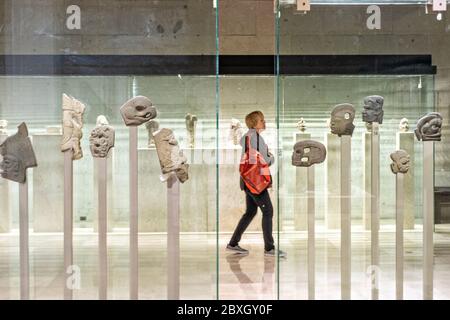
(188, 27)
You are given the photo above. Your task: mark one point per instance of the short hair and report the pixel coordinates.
(252, 119)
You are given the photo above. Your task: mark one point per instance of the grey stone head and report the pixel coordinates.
(429, 127)
(102, 138)
(404, 125)
(400, 161)
(373, 109)
(342, 117)
(18, 155)
(137, 111)
(308, 152)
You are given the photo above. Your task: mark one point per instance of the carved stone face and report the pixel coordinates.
(342, 117)
(137, 111)
(151, 126)
(404, 125)
(373, 109)
(102, 138)
(301, 125)
(18, 155)
(171, 158)
(400, 162)
(429, 127)
(308, 152)
(72, 124)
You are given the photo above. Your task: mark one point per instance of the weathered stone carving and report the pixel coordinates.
(191, 124)
(236, 131)
(373, 109)
(151, 126)
(72, 124)
(301, 125)
(171, 158)
(137, 111)
(429, 127)
(3, 127)
(400, 162)
(18, 155)
(102, 138)
(342, 117)
(308, 152)
(404, 125)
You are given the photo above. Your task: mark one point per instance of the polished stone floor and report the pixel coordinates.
(235, 277)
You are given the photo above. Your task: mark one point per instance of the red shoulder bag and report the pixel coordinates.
(254, 170)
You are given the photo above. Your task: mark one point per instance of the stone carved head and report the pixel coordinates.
(236, 131)
(137, 111)
(308, 152)
(400, 161)
(3, 127)
(171, 158)
(151, 126)
(373, 109)
(342, 117)
(301, 125)
(73, 111)
(18, 155)
(429, 127)
(404, 125)
(102, 138)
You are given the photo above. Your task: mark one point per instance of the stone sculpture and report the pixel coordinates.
(342, 117)
(301, 125)
(151, 126)
(102, 138)
(400, 161)
(137, 111)
(191, 123)
(308, 152)
(236, 131)
(171, 158)
(3, 127)
(429, 127)
(73, 111)
(373, 109)
(404, 125)
(18, 155)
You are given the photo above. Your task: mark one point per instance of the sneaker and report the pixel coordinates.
(274, 253)
(237, 249)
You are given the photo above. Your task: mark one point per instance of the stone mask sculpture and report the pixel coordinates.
(137, 111)
(191, 123)
(404, 125)
(308, 152)
(301, 125)
(72, 124)
(151, 126)
(342, 117)
(400, 162)
(236, 131)
(171, 158)
(102, 138)
(429, 127)
(18, 155)
(373, 109)
(3, 127)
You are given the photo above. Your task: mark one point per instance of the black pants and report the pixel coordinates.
(253, 201)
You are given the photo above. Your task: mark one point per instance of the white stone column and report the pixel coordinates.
(405, 141)
(110, 188)
(333, 181)
(367, 182)
(300, 191)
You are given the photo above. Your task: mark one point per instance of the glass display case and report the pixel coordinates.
(205, 65)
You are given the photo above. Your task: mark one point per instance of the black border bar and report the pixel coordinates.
(114, 65)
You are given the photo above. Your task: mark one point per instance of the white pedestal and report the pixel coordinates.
(333, 181)
(48, 184)
(5, 209)
(428, 219)
(367, 154)
(300, 191)
(405, 141)
(110, 188)
(399, 249)
(173, 238)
